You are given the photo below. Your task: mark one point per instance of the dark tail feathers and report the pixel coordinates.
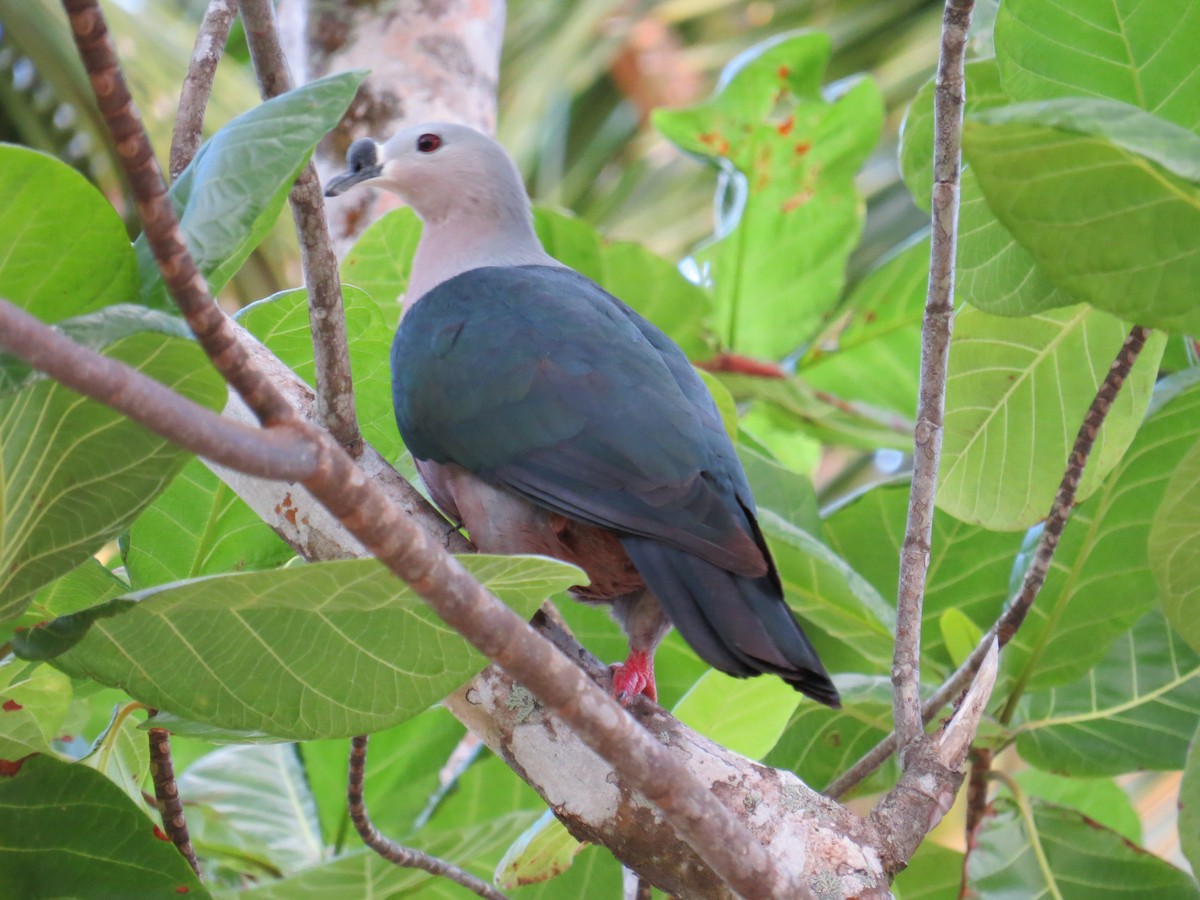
(739, 625)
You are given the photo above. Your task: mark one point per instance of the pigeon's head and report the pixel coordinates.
(439, 169)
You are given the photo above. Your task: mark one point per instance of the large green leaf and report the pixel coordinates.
(1100, 799)
(820, 744)
(874, 354)
(1102, 222)
(67, 831)
(934, 873)
(1027, 848)
(790, 154)
(364, 873)
(231, 193)
(1147, 684)
(51, 271)
(969, 566)
(122, 754)
(1175, 547)
(852, 625)
(86, 585)
(381, 259)
(1143, 54)
(745, 715)
(1189, 805)
(1100, 581)
(73, 473)
(1016, 394)
(253, 802)
(33, 703)
(648, 283)
(198, 526)
(281, 322)
(323, 650)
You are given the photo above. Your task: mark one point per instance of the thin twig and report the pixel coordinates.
(1035, 576)
(977, 791)
(197, 84)
(166, 792)
(326, 317)
(949, 98)
(389, 849)
(416, 557)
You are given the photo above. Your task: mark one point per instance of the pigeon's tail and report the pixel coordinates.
(737, 624)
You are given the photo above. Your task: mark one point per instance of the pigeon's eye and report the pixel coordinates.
(427, 143)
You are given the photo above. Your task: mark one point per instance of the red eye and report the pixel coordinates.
(427, 143)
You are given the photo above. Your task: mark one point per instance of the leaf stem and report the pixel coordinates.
(406, 857)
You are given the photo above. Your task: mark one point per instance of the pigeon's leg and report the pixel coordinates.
(644, 622)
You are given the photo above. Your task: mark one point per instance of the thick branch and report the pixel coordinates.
(197, 85)
(1035, 576)
(390, 850)
(326, 318)
(935, 353)
(416, 557)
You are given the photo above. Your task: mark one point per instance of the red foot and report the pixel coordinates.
(635, 676)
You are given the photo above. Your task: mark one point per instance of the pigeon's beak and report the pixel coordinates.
(362, 164)
(339, 184)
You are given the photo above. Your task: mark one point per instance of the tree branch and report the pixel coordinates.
(1035, 576)
(197, 84)
(935, 353)
(390, 850)
(416, 557)
(326, 317)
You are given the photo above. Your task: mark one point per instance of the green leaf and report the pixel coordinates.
(486, 791)
(1031, 849)
(1100, 799)
(960, 634)
(67, 829)
(198, 526)
(44, 269)
(596, 873)
(543, 851)
(381, 259)
(787, 493)
(1147, 684)
(790, 153)
(366, 874)
(726, 405)
(1175, 547)
(281, 322)
(852, 625)
(969, 566)
(73, 473)
(322, 650)
(1016, 394)
(1143, 55)
(234, 188)
(253, 803)
(87, 585)
(934, 873)
(651, 285)
(33, 705)
(820, 743)
(1101, 221)
(746, 715)
(1189, 805)
(1100, 581)
(122, 754)
(873, 354)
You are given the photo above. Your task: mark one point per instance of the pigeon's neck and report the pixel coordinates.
(464, 240)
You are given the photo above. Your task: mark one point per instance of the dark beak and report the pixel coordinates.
(339, 184)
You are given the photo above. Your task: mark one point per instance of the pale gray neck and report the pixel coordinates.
(461, 241)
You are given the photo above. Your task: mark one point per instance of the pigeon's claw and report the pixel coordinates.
(634, 676)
